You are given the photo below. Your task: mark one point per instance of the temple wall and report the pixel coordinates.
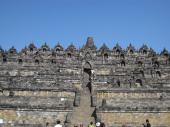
(34, 117)
(41, 93)
(111, 97)
(135, 119)
(137, 95)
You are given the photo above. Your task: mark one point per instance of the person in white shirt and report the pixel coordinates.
(98, 124)
(58, 124)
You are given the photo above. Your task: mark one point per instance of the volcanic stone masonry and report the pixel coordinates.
(116, 86)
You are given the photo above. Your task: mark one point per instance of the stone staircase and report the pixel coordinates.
(83, 113)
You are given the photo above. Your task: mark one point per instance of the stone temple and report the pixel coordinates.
(116, 86)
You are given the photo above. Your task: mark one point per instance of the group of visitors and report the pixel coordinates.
(98, 124)
(101, 124)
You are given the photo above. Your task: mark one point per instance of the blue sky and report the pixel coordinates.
(72, 21)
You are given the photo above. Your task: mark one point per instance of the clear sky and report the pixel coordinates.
(72, 21)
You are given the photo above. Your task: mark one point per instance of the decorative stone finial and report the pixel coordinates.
(90, 43)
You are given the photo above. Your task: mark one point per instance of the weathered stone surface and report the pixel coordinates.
(39, 85)
(32, 117)
(157, 119)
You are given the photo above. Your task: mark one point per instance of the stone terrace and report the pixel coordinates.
(116, 86)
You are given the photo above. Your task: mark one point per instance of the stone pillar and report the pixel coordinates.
(77, 99)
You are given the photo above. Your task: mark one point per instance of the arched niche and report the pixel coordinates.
(37, 61)
(158, 74)
(122, 63)
(138, 83)
(144, 51)
(140, 63)
(131, 51)
(20, 61)
(57, 50)
(122, 55)
(118, 83)
(106, 55)
(44, 49)
(4, 59)
(69, 55)
(31, 49)
(117, 51)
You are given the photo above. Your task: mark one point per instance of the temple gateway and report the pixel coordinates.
(76, 86)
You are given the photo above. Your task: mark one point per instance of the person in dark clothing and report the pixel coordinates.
(47, 124)
(102, 124)
(147, 124)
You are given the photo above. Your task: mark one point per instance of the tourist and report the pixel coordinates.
(98, 124)
(147, 124)
(58, 124)
(91, 124)
(102, 124)
(47, 124)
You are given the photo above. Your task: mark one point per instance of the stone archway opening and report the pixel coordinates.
(87, 76)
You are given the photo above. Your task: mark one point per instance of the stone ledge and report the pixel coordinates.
(31, 108)
(35, 103)
(133, 90)
(129, 109)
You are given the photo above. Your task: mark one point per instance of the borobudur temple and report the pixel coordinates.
(116, 86)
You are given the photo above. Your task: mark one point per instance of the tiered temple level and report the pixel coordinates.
(125, 86)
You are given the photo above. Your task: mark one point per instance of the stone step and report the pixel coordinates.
(83, 113)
